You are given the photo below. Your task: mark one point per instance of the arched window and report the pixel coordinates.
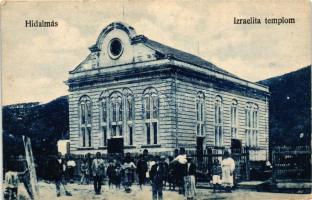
(150, 113)
(104, 118)
(218, 121)
(116, 114)
(234, 121)
(85, 116)
(251, 124)
(200, 114)
(129, 115)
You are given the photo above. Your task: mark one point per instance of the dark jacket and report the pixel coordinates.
(192, 169)
(158, 173)
(181, 170)
(142, 167)
(110, 171)
(166, 170)
(172, 171)
(216, 170)
(56, 168)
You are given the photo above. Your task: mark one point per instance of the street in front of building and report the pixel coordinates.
(47, 191)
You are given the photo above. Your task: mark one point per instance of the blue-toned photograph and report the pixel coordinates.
(156, 100)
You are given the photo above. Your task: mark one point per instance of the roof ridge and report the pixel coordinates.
(168, 51)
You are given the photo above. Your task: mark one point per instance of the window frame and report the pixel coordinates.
(218, 121)
(252, 125)
(149, 120)
(104, 123)
(116, 114)
(117, 118)
(129, 120)
(200, 108)
(85, 126)
(234, 119)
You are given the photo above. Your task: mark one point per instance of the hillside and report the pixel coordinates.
(289, 108)
(43, 123)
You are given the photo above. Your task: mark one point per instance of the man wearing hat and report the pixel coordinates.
(157, 175)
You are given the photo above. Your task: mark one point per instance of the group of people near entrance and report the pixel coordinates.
(178, 171)
(223, 173)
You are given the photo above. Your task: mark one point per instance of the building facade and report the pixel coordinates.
(159, 98)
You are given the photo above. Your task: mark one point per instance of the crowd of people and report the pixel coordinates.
(178, 171)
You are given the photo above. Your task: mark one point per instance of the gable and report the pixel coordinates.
(115, 46)
(118, 44)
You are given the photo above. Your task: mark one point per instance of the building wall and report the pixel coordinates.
(186, 92)
(165, 134)
(176, 129)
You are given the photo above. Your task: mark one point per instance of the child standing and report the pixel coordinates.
(117, 175)
(128, 168)
(11, 180)
(110, 171)
(83, 170)
(216, 175)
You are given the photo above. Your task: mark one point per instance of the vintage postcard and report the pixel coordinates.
(162, 100)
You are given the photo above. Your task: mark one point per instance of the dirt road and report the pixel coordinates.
(85, 192)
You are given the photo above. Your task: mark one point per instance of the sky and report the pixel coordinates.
(36, 61)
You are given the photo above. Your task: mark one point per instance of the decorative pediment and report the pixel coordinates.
(111, 27)
(116, 45)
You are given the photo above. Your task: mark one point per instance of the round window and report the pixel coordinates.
(115, 48)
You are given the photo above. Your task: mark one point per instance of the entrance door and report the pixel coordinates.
(115, 145)
(200, 148)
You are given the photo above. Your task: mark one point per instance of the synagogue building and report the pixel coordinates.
(159, 98)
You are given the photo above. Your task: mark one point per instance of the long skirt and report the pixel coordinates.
(227, 176)
(189, 185)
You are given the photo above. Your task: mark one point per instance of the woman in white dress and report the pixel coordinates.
(228, 166)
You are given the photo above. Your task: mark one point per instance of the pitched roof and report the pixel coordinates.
(182, 56)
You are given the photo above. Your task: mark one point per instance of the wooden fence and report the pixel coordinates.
(291, 163)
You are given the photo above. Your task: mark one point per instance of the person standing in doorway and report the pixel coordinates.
(98, 172)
